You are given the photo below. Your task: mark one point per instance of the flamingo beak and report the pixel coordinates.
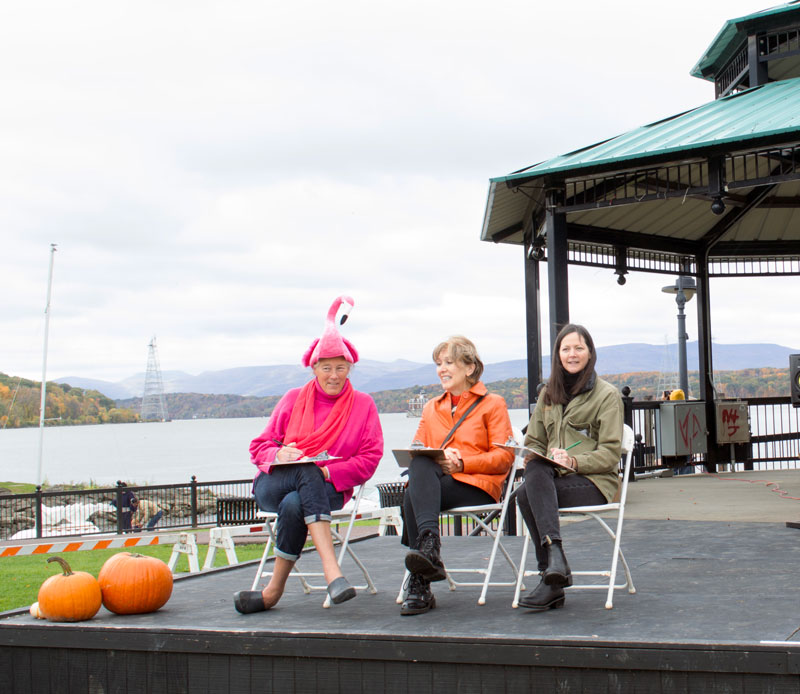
(346, 312)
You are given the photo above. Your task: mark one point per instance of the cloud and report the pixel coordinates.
(215, 173)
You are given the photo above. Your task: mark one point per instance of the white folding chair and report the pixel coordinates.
(346, 516)
(594, 512)
(483, 517)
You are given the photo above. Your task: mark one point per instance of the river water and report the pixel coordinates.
(167, 452)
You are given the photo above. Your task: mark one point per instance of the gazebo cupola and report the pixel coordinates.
(753, 50)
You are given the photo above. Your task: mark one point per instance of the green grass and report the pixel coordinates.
(19, 487)
(21, 577)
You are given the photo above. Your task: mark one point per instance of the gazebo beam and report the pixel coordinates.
(629, 239)
(555, 225)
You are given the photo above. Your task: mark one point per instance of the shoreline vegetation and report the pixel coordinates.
(67, 405)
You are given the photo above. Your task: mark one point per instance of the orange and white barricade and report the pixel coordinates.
(183, 543)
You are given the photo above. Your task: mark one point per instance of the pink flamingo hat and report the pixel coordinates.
(332, 344)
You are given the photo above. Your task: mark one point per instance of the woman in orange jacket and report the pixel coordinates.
(472, 472)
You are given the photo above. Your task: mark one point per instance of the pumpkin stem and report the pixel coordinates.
(64, 566)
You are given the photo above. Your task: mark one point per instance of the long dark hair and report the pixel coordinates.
(558, 392)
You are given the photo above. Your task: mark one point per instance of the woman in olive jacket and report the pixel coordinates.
(578, 423)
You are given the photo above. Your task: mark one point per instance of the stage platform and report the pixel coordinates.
(716, 609)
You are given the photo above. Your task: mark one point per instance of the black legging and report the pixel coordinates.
(430, 491)
(540, 497)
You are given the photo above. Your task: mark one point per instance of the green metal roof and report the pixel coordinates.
(730, 38)
(753, 114)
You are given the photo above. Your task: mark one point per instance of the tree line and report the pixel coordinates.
(20, 399)
(67, 405)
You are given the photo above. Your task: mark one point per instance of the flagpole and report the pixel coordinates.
(44, 365)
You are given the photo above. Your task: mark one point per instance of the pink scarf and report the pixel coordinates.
(301, 422)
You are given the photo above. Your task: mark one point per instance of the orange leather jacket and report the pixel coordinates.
(485, 465)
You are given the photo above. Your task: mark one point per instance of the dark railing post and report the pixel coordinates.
(38, 510)
(194, 501)
(511, 519)
(638, 456)
(118, 493)
(627, 405)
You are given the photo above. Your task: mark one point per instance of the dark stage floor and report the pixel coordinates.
(695, 581)
(716, 608)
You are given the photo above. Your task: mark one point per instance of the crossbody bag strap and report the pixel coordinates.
(463, 417)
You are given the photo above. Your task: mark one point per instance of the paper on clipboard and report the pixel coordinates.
(319, 458)
(405, 455)
(526, 452)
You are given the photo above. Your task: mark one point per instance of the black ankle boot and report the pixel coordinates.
(543, 597)
(419, 598)
(557, 572)
(424, 559)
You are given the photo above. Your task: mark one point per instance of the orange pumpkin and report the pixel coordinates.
(69, 596)
(134, 583)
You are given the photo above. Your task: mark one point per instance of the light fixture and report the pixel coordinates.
(684, 289)
(536, 251)
(683, 284)
(717, 205)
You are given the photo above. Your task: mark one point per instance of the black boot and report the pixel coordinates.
(419, 598)
(543, 597)
(424, 559)
(557, 572)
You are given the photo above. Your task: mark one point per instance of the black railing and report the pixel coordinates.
(92, 511)
(774, 436)
(774, 444)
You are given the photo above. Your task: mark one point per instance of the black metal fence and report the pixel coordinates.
(774, 444)
(93, 511)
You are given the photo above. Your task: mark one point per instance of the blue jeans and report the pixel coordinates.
(300, 495)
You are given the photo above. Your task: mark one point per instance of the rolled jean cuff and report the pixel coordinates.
(316, 517)
(286, 555)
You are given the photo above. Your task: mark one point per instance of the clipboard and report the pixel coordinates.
(526, 452)
(405, 455)
(319, 458)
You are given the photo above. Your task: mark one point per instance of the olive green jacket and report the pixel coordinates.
(594, 418)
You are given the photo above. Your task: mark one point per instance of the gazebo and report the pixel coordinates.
(712, 192)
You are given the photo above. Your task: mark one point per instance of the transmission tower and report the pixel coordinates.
(154, 405)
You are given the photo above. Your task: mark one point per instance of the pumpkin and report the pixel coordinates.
(69, 596)
(36, 612)
(134, 583)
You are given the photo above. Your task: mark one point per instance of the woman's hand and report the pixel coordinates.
(452, 461)
(288, 453)
(561, 456)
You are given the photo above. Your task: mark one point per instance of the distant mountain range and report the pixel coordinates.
(372, 376)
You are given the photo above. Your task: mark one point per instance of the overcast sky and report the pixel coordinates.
(215, 173)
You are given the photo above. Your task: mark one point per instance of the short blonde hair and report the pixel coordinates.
(462, 350)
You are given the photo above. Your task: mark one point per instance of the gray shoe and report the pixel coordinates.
(340, 590)
(249, 601)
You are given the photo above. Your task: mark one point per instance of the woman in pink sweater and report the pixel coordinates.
(326, 414)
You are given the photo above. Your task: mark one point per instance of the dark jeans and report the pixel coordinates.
(430, 491)
(154, 520)
(300, 495)
(540, 497)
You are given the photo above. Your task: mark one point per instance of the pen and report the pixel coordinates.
(566, 449)
(280, 443)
